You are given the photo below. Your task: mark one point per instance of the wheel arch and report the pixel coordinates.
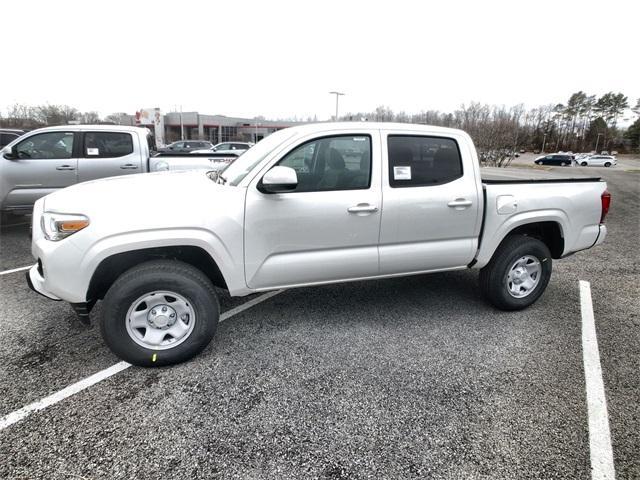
(548, 232)
(111, 267)
(550, 229)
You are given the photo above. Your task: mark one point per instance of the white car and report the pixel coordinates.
(309, 205)
(597, 161)
(237, 148)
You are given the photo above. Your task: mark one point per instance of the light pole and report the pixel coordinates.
(598, 141)
(181, 125)
(544, 140)
(337, 94)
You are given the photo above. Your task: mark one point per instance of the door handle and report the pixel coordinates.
(460, 203)
(362, 208)
(65, 167)
(129, 166)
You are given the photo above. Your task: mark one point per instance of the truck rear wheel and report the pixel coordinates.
(159, 313)
(517, 274)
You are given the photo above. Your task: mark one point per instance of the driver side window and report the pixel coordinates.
(331, 163)
(50, 145)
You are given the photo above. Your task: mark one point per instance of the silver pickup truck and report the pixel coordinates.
(309, 205)
(47, 159)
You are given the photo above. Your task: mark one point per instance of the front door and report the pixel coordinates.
(327, 228)
(109, 154)
(45, 163)
(431, 214)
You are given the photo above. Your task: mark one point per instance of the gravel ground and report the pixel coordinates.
(405, 378)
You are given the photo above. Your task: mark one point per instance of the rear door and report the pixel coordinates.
(431, 209)
(109, 154)
(46, 162)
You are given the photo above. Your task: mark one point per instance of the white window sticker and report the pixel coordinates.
(359, 139)
(93, 151)
(402, 173)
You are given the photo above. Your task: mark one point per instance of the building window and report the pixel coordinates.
(228, 134)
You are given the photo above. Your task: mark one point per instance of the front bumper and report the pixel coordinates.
(36, 283)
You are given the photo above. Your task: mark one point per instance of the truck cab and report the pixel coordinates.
(45, 160)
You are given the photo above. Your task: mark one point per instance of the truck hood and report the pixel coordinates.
(148, 201)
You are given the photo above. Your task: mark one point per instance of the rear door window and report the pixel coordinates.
(7, 138)
(107, 144)
(420, 161)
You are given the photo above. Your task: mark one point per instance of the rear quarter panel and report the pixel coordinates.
(576, 207)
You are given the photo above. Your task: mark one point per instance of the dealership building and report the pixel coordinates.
(172, 126)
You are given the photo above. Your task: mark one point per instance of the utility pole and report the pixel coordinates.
(181, 125)
(598, 141)
(544, 140)
(337, 94)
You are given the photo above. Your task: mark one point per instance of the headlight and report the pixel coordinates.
(57, 226)
(162, 166)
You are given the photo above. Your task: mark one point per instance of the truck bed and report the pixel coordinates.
(492, 175)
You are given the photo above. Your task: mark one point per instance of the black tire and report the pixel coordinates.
(170, 275)
(563, 164)
(493, 277)
(584, 164)
(608, 164)
(538, 163)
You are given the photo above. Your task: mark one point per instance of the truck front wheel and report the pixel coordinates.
(518, 273)
(159, 313)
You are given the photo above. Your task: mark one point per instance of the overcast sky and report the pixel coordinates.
(281, 58)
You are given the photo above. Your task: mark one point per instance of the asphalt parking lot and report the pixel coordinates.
(406, 378)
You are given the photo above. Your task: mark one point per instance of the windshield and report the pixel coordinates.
(239, 169)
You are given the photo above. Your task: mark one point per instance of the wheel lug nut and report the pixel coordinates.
(164, 309)
(184, 316)
(153, 312)
(172, 315)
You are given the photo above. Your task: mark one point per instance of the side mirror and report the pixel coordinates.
(11, 153)
(278, 180)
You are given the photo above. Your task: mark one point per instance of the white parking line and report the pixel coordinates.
(602, 467)
(14, 270)
(249, 304)
(24, 412)
(85, 383)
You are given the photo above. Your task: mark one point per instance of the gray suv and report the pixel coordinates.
(187, 146)
(8, 135)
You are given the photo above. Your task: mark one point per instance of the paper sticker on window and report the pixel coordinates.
(359, 139)
(402, 173)
(93, 151)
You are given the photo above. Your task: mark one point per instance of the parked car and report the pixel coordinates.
(293, 212)
(187, 146)
(44, 160)
(228, 147)
(557, 159)
(597, 161)
(8, 135)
